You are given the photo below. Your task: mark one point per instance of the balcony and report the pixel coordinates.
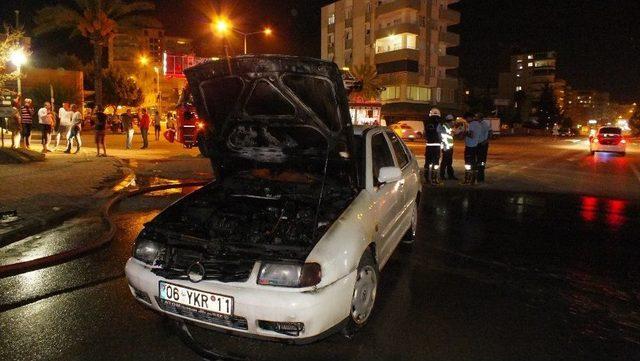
(402, 54)
(448, 83)
(394, 5)
(348, 43)
(450, 16)
(412, 28)
(451, 39)
(448, 61)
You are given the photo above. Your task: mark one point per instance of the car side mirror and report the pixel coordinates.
(389, 175)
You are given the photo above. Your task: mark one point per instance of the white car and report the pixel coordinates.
(608, 139)
(288, 242)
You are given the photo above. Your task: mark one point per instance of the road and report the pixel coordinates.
(541, 263)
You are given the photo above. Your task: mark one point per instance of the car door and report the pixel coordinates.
(386, 199)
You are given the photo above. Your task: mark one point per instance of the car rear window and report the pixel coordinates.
(611, 130)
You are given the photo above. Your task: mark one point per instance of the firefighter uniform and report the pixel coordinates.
(433, 148)
(446, 135)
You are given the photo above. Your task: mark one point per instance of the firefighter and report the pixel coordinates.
(470, 148)
(432, 152)
(483, 147)
(446, 131)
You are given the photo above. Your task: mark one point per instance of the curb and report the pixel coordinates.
(104, 239)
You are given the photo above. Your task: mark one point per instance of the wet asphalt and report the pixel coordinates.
(493, 275)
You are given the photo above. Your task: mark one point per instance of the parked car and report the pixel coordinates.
(287, 243)
(608, 139)
(405, 131)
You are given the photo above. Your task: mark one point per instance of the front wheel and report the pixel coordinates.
(364, 294)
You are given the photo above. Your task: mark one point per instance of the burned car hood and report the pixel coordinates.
(273, 111)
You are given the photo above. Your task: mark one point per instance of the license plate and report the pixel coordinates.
(196, 299)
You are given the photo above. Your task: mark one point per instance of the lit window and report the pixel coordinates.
(418, 93)
(518, 75)
(396, 42)
(529, 57)
(518, 88)
(332, 19)
(391, 92)
(520, 67)
(530, 65)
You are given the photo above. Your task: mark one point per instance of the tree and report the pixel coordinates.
(120, 89)
(548, 112)
(367, 74)
(8, 45)
(97, 21)
(634, 123)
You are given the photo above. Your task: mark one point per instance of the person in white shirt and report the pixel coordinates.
(45, 118)
(76, 127)
(64, 128)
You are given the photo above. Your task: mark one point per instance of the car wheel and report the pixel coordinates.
(410, 236)
(364, 295)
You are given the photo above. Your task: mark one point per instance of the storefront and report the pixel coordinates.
(365, 112)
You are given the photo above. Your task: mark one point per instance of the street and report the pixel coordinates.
(539, 263)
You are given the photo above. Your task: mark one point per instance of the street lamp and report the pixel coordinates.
(223, 26)
(18, 58)
(143, 59)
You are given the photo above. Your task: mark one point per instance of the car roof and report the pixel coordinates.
(358, 130)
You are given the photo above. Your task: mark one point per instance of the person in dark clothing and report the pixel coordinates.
(433, 147)
(100, 128)
(446, 131)
(26, 114)
(483, 147)
(472, 134)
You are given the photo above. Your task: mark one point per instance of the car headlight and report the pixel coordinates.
(289, 274)
(147, 251)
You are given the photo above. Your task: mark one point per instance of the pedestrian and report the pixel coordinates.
(483, 146)
(14, 124)
(144, 128)
(470, 148)
(127, 126)
(26, 118)
(47, 121)
(76, 127)
(100, 129)
(64, 126)
(433, 147)
(555, 131)
(156, 124)
(446, 132)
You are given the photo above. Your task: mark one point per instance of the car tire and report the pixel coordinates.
(364, 295)
(410, 237)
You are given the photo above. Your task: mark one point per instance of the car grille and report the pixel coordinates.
(239, 323)
(223, 268)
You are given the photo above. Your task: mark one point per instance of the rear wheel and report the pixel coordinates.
(364, 294)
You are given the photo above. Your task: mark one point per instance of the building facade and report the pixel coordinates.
(529, 74)
(407, 41)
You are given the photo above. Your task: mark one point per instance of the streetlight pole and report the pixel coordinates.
(266, 31)
(158, 97)
(18, 58)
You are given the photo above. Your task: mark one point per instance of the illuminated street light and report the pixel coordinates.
(144, 60)
(18, 57)
(222, 27)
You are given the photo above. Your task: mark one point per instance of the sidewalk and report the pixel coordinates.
(45, 194)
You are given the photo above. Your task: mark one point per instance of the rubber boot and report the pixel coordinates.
(434, 177)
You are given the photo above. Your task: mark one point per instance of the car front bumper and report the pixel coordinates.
(319, 310)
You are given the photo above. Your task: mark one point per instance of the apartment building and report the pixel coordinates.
(531, 73)
(407, 41)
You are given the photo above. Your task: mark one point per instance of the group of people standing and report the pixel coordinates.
(24, 116)
(440, 134)
(67, 124)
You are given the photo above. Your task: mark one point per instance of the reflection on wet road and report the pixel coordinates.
(493, 276)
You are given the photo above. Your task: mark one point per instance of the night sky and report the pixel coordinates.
(598, 41)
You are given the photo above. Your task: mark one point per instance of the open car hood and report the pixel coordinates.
(273, 111)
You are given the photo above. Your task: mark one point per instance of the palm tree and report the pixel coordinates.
(367, 74)
(97, 21)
